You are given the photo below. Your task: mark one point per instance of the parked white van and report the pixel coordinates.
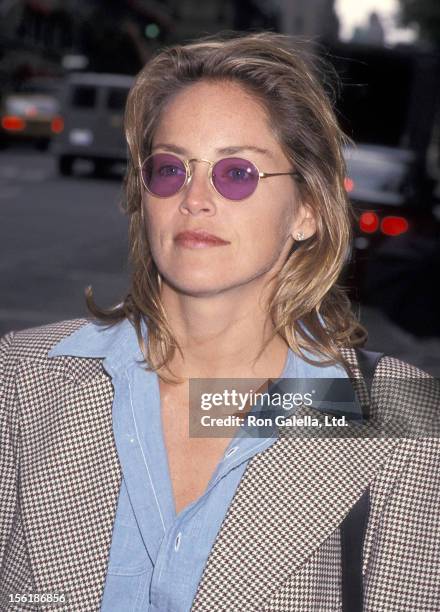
(92, 107)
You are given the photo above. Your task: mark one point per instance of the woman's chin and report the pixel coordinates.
(199, 284)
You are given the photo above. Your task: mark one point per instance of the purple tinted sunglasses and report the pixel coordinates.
(234, 178)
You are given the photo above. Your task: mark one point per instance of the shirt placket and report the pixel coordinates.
(182, 542)
(142, 464)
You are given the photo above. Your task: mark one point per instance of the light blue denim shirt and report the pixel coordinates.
(157, 557)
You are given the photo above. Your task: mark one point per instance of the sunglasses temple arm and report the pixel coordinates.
(268, 174)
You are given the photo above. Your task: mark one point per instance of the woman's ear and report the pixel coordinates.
(304, 225)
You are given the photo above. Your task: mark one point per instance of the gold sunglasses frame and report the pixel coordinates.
(189, 175)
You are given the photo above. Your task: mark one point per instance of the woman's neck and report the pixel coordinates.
(222, 337)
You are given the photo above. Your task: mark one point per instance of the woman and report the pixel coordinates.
(239, 229)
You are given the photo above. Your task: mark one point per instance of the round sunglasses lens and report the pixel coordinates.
(235, 178)
(163, 174)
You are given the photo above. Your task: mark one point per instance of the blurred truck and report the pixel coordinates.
(92, 108)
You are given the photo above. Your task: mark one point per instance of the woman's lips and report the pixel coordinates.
(198, 240)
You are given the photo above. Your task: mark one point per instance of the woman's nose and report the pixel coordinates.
(198, 193)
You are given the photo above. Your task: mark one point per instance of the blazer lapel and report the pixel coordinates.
(292, 497)
(69, 475)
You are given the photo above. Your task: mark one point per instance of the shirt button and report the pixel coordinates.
(177, 541)
(231, 451)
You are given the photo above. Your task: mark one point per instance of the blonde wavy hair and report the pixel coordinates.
(307, 307)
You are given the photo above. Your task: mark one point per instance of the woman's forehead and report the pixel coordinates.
(223, 116)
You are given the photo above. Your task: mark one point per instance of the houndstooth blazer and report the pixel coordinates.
(278, 548)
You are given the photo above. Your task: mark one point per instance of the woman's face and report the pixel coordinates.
(212, 121)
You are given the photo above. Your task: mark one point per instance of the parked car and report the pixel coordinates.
(92, 107)
(388, 188)
(396, 231)
(390, 192)
(31, 113)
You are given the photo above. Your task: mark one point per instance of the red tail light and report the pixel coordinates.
(13, 123)
(57, 125)
(369, 222)
(394, 226)
(348, 184)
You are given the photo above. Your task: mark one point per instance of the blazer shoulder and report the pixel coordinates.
(416, 395)
(34, 343)
(387, 366)
(396, 368)
(401, 389)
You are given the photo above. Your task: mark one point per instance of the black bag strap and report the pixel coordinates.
(354, 525)
(367, 361)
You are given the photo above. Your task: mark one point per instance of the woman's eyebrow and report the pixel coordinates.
(222, 151)
(233, 150)
(170, 147)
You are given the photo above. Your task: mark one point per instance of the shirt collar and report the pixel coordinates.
(119, 347)
(117, 344)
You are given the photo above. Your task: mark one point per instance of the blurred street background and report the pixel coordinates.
(65, 69)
